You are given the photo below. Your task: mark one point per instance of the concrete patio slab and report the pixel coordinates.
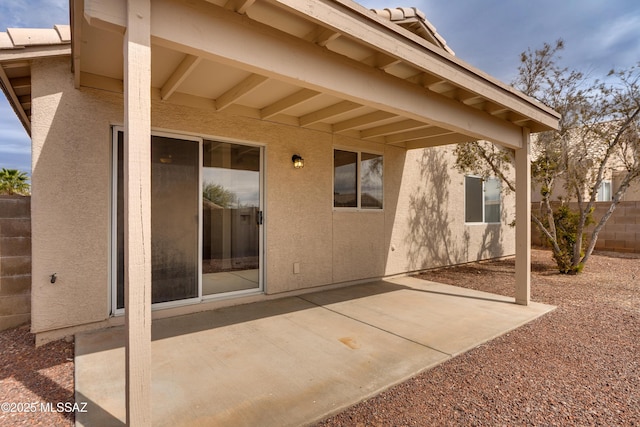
(295, 360)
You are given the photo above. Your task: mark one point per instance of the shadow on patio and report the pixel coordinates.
(295, 360)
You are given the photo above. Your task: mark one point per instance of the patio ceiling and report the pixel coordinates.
(334, 66)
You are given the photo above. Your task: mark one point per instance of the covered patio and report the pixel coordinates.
(292, 361)
(285, 75)
(331, 66)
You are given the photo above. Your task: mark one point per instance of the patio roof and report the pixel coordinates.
(278, 60)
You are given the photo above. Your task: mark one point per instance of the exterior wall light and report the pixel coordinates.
(298, 162)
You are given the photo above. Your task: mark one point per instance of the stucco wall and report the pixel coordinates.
(427, 223)
(71, 182)
(421, 226)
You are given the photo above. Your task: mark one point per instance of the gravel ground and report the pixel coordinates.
(578, 365)
(31, 378)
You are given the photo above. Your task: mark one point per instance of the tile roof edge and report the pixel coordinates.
(20, 38)
(399, 15)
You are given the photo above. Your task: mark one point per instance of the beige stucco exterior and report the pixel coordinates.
(421, 225)
(294, 77)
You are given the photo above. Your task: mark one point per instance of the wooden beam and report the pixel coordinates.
(188, 64)
(452, 138)
(20, 83)
(328, 112)
(25, 101)
(366, 119)
(110, 15)
(101, 82)
(341, 16)
(326, 36)
(261, 49)
(381, 61)
(416, 134)
(523, 220)
(425, 57)
(321, 35)
(137, 211)
(76, 12)
(244, 87)
(468, 98)
(244, 6)
(239, 6)
(391, 128)
(494, 109)
(288, 102)
(19, 64)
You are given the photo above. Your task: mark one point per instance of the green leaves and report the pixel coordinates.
(598, 138)
(13, 181)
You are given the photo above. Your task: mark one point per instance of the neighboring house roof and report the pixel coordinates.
(17, 47)
(415, 21)
(385, 77)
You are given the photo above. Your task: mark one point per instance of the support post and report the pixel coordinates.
(137, 211)
(523, 220)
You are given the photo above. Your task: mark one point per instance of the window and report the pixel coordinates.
(482, 199)
(357, 180)
(604, 192)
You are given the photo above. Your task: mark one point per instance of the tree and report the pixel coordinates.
(13, 181)
(599, 129)
(219, 195)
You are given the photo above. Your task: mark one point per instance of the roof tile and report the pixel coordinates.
(23, 37)
(408, 15)
(5, 41)
(64, 32)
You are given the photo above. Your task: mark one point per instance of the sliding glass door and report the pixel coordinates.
(231, 217)
(206, 219)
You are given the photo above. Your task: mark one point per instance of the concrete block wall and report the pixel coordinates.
(622, 231)
(15, 261)
(620, 234)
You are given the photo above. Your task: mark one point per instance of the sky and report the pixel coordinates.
(489, 34)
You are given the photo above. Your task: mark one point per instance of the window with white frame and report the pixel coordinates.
(357, 179)
(482, 200)
(604, 192)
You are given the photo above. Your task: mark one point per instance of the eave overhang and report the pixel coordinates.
(329, 65)
(20, 46)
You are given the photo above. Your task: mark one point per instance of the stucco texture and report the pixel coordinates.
(421, 225)
(71, 187)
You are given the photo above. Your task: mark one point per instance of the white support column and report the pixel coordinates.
(523, 220)
(137, 211)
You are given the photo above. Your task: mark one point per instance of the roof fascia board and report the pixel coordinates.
(261, 49)
(29, 53)
(425, 57)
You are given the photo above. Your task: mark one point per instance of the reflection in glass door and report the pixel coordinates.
(231, 218)
(174, 220)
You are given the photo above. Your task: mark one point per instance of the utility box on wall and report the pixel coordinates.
(15, 261)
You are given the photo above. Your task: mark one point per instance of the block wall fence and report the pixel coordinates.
(15, 261)
(620, 234)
